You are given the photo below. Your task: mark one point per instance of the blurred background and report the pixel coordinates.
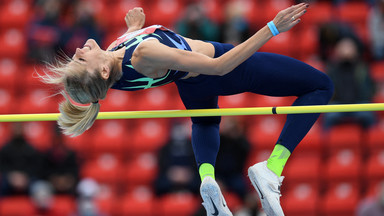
(146, 166)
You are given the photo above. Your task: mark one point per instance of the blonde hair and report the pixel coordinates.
(82, 87)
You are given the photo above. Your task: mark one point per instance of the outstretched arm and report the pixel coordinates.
(152, 55)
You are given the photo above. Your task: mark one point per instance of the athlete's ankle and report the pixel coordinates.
(278, 159)
(206, 170)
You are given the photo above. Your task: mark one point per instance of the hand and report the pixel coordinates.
(135, 18)
(289, 17)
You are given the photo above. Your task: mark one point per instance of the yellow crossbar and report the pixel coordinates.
(206, 112)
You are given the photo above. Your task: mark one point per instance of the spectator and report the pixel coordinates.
(88, 190)
(19, 164)
(177, 164)
(81, 26)
(376, 29)
(60, 25)
(372, 206)
(232, 156)
(196, 25)
(331, 33)
(44, 31)
(353, 84)
(61, 167)
(235, 28)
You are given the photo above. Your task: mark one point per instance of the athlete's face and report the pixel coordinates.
(89, 55)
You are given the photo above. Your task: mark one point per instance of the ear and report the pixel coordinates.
(105, 72)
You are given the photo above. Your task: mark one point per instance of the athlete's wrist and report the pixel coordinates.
(272, 27)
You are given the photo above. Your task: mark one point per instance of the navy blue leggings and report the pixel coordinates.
(263, 73)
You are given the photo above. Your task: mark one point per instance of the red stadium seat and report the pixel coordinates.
(284, 44)
(165, 12)
(82, 144)
(31, 78)
(108, 205)
(301, 200)
(139, 202)
(39, 101)
(318, 13)
(120, 9)
(63, 206)
(355, 13)
(377, 71)
(180, 204)
(251, 9)
(344, 166)
(271, 8)
(149, 135)
(118, 101)
(154, 99)
(375, 137)
(213, 9)
(13, 43)
(263, 133)
(112, 35)
(102, 12)
(234, 101)
(15, 13)
(308, 43)
(340, 200)
(9, 73)
(17, 206)
(39, 134)
(141, 170)
(105, 169)
(268, 101)
(110, 136)
(304, 168)
(344, 136)
(8, 102)
(313, 142)
(373, 188)
(374, 167)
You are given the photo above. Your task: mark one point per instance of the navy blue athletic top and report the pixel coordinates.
(132, 80)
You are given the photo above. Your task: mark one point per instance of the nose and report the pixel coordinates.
(79, 51)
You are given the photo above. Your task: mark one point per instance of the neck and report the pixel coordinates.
(116, 58)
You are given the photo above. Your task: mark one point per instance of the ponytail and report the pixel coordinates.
(83, 88)
(75, 120)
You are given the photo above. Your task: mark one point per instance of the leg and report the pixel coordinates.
(206, 143)
(283, 76)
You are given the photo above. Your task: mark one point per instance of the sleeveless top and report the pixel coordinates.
(132, 80)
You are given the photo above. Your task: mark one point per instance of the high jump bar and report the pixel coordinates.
(206, 112)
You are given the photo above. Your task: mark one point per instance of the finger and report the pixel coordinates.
(138, 9)
(299, 10)
(294, 7)
(299, 13)
(295, 22)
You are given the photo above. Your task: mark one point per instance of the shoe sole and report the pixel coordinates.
(213, 200)
(264, 199)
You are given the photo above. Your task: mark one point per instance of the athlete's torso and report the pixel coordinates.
(132, 80)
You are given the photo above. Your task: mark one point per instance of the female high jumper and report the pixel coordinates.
(145, 58)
